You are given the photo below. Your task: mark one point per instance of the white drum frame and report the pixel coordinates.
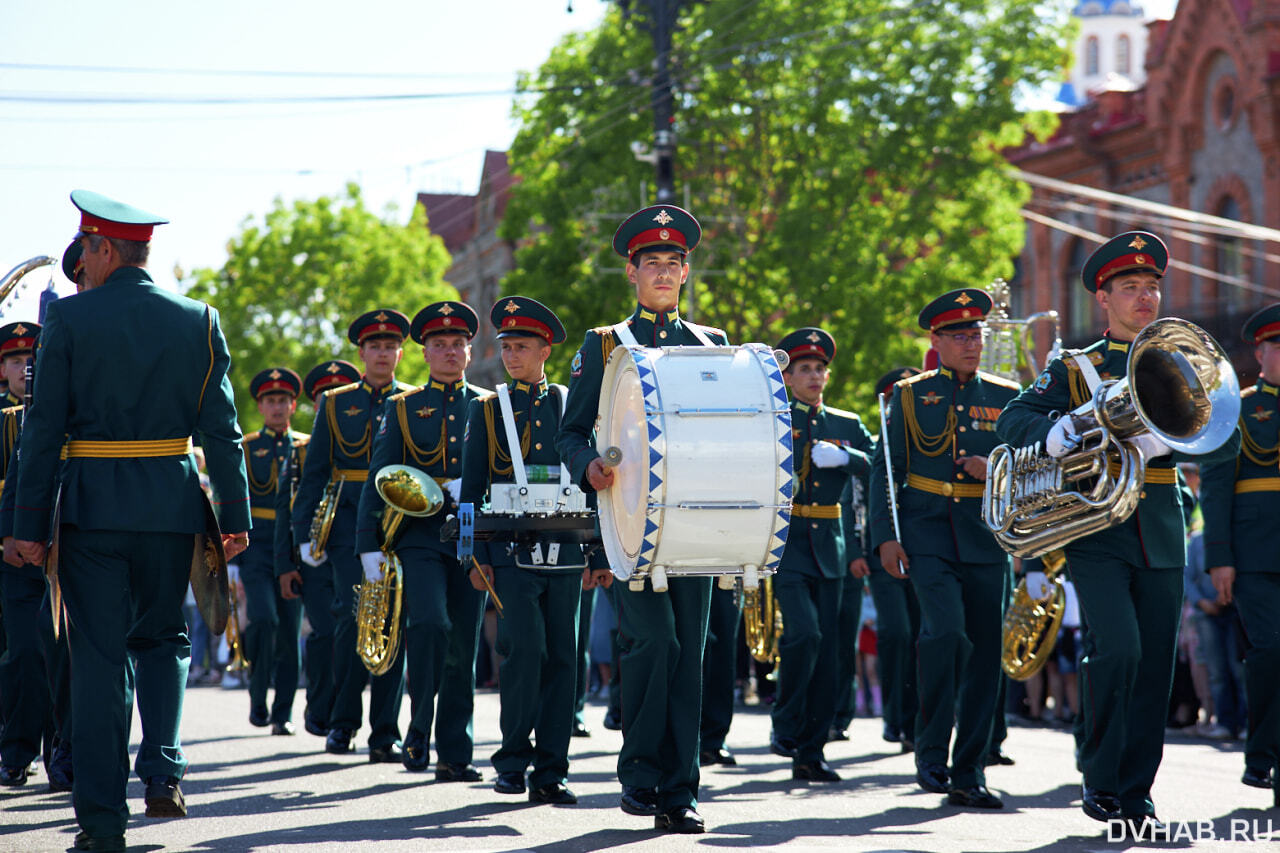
(705, 482)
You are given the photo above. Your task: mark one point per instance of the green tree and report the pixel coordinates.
(294, 281)
(843, 158)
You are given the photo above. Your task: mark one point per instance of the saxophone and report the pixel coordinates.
(322, 521)
(762, 621)
(235, 634)
(1031, 623)
(406, 492)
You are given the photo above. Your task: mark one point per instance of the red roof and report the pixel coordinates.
(453, 215)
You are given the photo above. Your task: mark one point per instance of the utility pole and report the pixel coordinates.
(660, 20)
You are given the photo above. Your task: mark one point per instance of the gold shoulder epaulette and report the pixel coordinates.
(341, 389)
(919, 377)
(487, 396)
(996, 379)
(602, 330)
(8, 410)
(400, 395)
(250, 436)
(1244, 392)
(301, 439)
(841, 413)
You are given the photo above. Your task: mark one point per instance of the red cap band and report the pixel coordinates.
(90, 224)
(1127, 262)
(379, 329)
(657, 237)
(955, 315)
(17, 345)
(275, 385)
(455, 325)
(807, 351)
(328, 382)
(1270, 330)
(526, 324)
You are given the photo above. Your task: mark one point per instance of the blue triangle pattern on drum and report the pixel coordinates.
(655, 430)
(780, 394)
(655, 481)
(784, 436)
(786, 489)
(649, 527)
(654, 457)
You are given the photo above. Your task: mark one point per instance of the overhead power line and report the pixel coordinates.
(250, 72)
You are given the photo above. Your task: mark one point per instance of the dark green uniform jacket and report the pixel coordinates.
(817, 544)
(284, 549)
(85, 399)
(487, 458)
(575, 442)
(423, 427)
(935, 421)
(266, 453)
(1240, 498)
(1154, 535)
(347, 418)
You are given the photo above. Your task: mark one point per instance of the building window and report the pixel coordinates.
(1122, 55)
(1224, 105)
(1229, 261)
(1080, 302)
(1091, 56)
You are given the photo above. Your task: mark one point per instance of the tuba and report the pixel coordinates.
(235, 634)
(13, 276)
(322, 521)
(1179, 387)
(1008, 343)
(406, 491)
(762, 621)
(1031, 623)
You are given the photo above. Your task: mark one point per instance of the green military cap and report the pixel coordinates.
(520, 316)
(809, 342)
(72, 262)
(959, 309)
(885, 383)
(381, 323)
(329, 374)
(275, 379)
(447, 317)
(106, 217)
(1132, 251)
(661, 228)
(1263, 325)
(18, 338)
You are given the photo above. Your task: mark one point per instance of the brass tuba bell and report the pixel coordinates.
(762, 622)
(406, 491)
(1031, 623)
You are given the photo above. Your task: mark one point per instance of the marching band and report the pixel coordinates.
(534, 492)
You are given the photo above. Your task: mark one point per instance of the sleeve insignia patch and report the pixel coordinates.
(576, 368)
(1044, 382)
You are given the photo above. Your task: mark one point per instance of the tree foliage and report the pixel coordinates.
(843, 158)
(295, 280)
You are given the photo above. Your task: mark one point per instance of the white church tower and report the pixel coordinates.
(1110, 50)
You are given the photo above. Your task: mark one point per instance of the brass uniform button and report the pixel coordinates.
(450, 417)
(538, 446)
(814, 525)
(537, 423)
(662, 334)
(453, 438)
(959, 408)
(962, 429)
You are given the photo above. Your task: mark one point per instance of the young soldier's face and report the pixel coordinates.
(447, 356)
(807, 378)
(1131, 300)
(380, 357)
(524, 357)
(960, 350)
(657, 277)
(15, 372)
(276, 408)
(1267, 353)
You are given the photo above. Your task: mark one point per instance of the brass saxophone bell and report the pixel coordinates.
(408, 490)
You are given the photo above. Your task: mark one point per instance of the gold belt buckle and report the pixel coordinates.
(948, 489)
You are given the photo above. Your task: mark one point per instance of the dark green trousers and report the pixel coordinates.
(958, 661)
(586, 609)
(442, 617)
(123, 594)
(806, 701)
(847, 652)
(1257, 596)
(24, 673)
(1133, 615)
(661, 636)
(615, 660)
(538, 639)
(271, 635)
(999, 725)
(897, 627)
(719, 667)
(320, 604)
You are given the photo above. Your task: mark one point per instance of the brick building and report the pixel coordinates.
(1201, 132)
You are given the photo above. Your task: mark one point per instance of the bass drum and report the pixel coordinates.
(704, 484)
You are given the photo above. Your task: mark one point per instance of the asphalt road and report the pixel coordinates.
(247, 790)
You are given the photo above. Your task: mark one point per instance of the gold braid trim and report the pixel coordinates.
(1255, 452)
(929, 445)
(1077, 385)
(802, 470)
(352, 449)
(255, 487)
(12, 426)
(607, 345)
(497, 456)
(422, 458)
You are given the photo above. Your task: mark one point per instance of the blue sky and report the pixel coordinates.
(208, 166)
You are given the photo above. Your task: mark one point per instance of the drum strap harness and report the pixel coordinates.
(518, 471)
(623, 331)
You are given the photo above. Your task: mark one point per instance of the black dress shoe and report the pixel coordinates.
(783, 746)
(1099, 805)
(580, 730)
(61, 775)
(1256, 777)
(104, 843)
(933, 777)
(682, 820)
(338, 742)
(389, 754)
(557, 794)
(314, 726)
(446, 772)
(837, 733)
(814, 771)
(717, 756)
(908, 744)
(995, 757)
(612, 723)
(509, 783)
(285, 728)
(891, 733)
(12, 777)
(259, 717)
(164, 797)
(1145, 827)
(415, 752)
(974, 797)
(642, 802)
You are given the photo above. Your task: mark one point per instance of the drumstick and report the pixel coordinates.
(497, 602)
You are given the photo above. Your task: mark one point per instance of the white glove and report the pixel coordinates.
(827, 455)
(1150, 446)
(305, 554)
(1037, 584)
(1062, 438)
(233, 574)
(454, 488)
(372, 562)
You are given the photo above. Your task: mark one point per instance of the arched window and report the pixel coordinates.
(1091, 55)
(1080, 302)
(1122, 55)
(1229, 261)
